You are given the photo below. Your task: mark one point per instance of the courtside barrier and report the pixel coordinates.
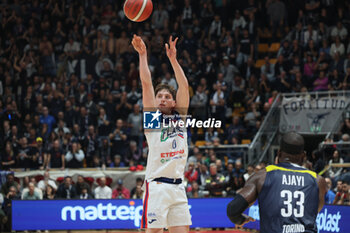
(126, 214)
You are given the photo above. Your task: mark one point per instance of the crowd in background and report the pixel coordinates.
(71, 96)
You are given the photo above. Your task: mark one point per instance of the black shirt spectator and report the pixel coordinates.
(66, 190)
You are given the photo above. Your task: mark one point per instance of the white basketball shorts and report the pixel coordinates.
(165, 205)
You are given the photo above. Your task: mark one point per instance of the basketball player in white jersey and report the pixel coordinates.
(165, 203)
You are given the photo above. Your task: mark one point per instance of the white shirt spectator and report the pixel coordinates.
(103, 192)
(341, 32)
(310, 36)
(36, 189)
(240, 22)
(42, 184)
(78, 156)
(74, 47)
(337, 49)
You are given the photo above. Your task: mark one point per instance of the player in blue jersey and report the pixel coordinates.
(289, 195)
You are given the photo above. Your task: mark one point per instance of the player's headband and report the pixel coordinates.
(290, 148)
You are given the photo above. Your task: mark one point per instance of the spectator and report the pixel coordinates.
(82, 184)
(31, 194)
(337, 47)
(199, 103)
(118, 138)
(75, 156)
(12, 194)
(135, 125)
(245, 49)
(215, 182)
(46, 118)
(335, 171)
(191, 174)
(8, 159)
(139, 182)
(195, 191)
(49, 193)
(133, 154)
(330, 195)
(104, 154)
(342, 197)
(138, 193)
(117, 162)
(47, 181)
(10, 181)
(66, 190)
(249, 173)
(121, 192)
(321, 83)
(103, 191)
(55, 157)
(339, 31)
(268, 70)
(26, 187)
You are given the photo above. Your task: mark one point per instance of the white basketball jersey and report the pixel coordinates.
(167, 154)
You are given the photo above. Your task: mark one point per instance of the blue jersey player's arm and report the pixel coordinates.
(245, 198)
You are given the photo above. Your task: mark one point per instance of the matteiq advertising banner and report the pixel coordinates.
(126, 214)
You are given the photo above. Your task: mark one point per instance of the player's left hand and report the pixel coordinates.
(171, 48)
(247, 219)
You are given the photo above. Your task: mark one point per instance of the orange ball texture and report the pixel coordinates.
(138, 10)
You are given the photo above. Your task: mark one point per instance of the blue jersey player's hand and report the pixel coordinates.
(247, 220)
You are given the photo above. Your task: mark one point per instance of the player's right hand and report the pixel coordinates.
(139, 45)
(247, 219)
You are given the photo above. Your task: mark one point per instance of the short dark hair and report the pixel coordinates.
(167, 87)
(292, 143)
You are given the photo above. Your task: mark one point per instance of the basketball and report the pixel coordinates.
(138, 10)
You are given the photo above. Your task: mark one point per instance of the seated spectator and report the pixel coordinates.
(215, 182)
(337, 47)
(249, 173)
(10, 181)
(121, 192)
(317, 161)
(8, 157)
(49, 193)
(85, 194)
(31, 194)
(133, 154)
(82, 184)
(330, 195)
(236, 129)
(103, 191)
(321, 83)
(139, 182)
(191, 174)
(117, 162)
(195, 191)
(268, 70)
(335, 171)
(66, 190)
(339, 31)
(12, 194)
(138, 194)
(47, 181)
(343, 196)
